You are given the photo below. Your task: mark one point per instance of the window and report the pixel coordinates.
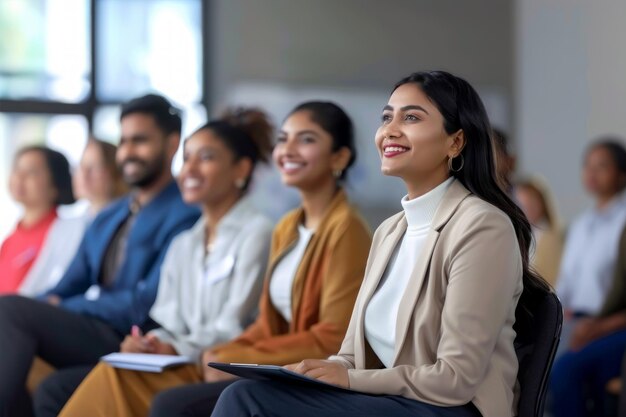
(67, 65)
(44, 50)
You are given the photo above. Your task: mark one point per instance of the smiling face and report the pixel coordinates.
(304, 153)
(143, 150)
(412, 141)
(210, 173)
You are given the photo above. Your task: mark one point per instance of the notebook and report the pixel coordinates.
(145, 361)
(271, 372)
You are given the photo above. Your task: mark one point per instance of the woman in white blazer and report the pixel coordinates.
(432, 331)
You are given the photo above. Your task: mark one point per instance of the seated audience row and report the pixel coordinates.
(112, 281)
(445, 290)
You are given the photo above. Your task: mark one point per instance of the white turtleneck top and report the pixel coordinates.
(382, 311)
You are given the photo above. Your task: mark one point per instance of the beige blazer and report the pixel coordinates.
(454, 334)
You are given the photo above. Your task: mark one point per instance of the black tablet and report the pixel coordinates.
(271, 372)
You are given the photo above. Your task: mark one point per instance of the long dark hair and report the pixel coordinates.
(462, 108)
(247, 132)
(59, 170)
(614, 147)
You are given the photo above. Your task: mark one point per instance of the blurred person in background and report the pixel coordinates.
(505, 160)
(112, 280)
(211, 277)
(40, 181)
(580, 376)
(98, 181)
(536, 202)
(592, 242)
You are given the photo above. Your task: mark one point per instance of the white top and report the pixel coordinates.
(56, 254)
(382, 311)
(284, 273)
(589, 257)
(205, 299)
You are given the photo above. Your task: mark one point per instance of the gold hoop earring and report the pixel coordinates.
(451, 168)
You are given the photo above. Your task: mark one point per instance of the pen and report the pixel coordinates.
(135, 331)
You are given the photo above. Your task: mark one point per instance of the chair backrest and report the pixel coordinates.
(536, 354)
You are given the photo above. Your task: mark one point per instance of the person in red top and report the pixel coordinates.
(40, 181)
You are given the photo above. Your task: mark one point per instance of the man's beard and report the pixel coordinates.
(148, 174)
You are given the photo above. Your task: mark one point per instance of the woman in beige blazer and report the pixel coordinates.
(432, 331)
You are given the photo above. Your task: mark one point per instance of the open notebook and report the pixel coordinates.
(144, 361)
(271, 372)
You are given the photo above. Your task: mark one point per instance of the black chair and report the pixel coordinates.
(535, 354)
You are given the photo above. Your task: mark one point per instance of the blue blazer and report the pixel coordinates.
(134, 290)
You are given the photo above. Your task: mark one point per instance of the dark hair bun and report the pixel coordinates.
(256, 124)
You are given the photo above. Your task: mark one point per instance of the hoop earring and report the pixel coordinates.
(451, 168)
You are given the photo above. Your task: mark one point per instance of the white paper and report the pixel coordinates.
(147, 362)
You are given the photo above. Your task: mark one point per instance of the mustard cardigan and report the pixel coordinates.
(325, 286)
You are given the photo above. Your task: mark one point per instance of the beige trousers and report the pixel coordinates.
(109, 391)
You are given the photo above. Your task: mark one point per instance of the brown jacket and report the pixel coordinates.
(324, 290)
(454, 333)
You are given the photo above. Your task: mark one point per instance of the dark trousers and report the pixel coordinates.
(30, 328)
(248, 398)
(54, 391)
(192, 400)
(578, 377)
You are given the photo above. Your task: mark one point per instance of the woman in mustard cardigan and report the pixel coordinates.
(432, 331)
(317, 261)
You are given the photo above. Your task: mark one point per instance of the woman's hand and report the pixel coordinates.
(136, 342)
(212, 374)
(159, 347)
(327, 371)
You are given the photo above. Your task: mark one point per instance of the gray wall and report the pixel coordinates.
(359, 42)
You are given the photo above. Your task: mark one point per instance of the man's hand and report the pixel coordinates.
(53, 300)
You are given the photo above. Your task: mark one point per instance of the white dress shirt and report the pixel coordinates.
(382, 311)
(281, 282)
(589, 257)
(205, 299)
